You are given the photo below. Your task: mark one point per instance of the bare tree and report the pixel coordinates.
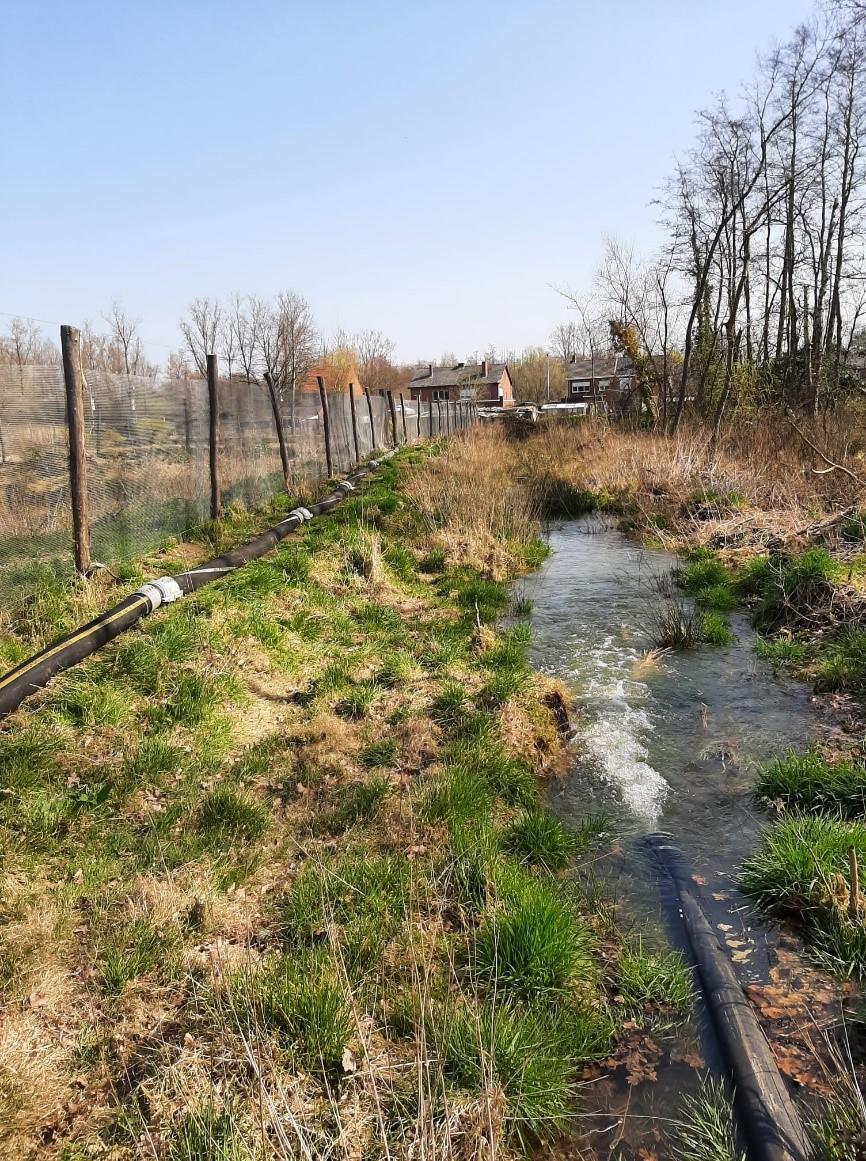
(201, 330)
(123, 333)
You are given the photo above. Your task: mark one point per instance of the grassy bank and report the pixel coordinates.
(760, 525)
(278, 879)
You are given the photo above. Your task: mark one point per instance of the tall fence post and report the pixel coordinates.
(438, 416)
(403, 417)
(372, 421)
(214, 437)
(390, 397)
(418, 415)
(73, 378)
(326, 423)
(430, 416)
(354, 423)
(278, 424)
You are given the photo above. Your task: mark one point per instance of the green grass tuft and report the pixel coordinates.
(800, 872)
(210, 1133)
(302, 999)
(532, 942)
(225, 813)
(707, 1131)
(654, 985)
(809, 781)
(540, 839)
(359, 802)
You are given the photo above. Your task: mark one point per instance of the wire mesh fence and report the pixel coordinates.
(146, 444)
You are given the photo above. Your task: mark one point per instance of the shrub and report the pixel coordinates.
(540, 839)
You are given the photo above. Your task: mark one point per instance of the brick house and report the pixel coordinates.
(487, 384)
(599, 381)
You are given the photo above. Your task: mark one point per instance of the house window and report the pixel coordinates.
(439, 394)
(580, 387)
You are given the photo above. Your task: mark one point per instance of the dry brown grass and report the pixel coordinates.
(760, 483)
(473, 503)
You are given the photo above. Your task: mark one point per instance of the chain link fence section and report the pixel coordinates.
(35, 512)
(146, 444)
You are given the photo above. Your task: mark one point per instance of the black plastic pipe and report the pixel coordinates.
(35, 673)
(770, 1122)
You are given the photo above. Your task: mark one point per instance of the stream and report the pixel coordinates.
(667, 745)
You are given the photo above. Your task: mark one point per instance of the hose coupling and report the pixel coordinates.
(160, 592)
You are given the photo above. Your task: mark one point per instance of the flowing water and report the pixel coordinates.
(668, 745)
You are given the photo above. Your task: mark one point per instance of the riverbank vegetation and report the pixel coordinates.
(278, 874)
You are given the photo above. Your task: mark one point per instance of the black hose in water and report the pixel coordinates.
(770, 1122)
(35, 673)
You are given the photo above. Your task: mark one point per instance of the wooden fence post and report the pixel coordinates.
(326, 423)
(403, 417)
(372, 422)
(278, 424)
(214, 437)
(390, 397)
(354, 423)
(73, 378)
(418, 415)
(430, 417)
(187, 433)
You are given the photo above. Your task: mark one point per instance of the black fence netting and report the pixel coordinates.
(147, 455)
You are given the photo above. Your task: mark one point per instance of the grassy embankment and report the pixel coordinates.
(760, 524)
(278, 879)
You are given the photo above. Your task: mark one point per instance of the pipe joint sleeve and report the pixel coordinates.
(160, 592)
(346, 486)
(300, 514)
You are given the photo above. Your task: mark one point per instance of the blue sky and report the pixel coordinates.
(428, 169)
